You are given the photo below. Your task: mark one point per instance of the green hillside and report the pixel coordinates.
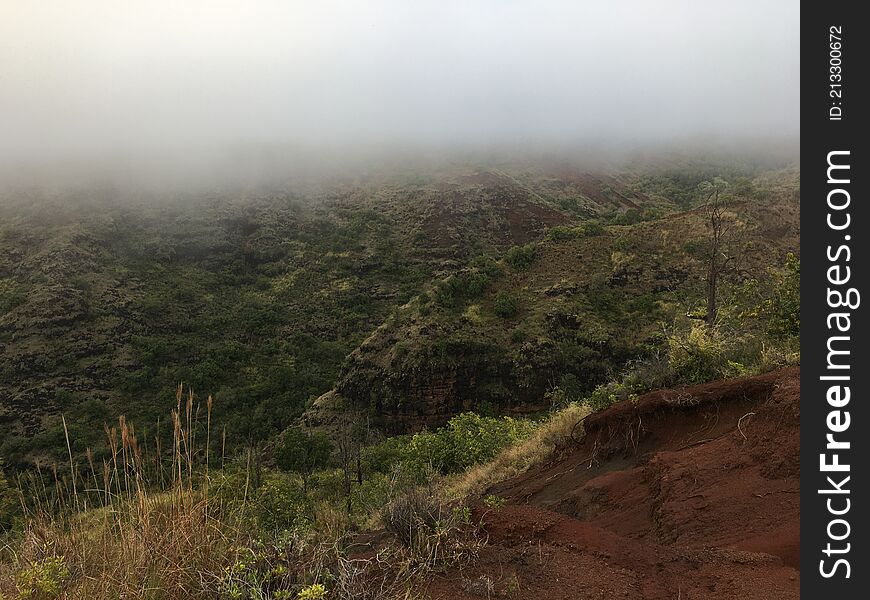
(109, 300)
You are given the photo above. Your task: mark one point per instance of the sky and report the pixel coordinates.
(164, 80)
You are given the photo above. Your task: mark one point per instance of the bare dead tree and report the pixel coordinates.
(354, 431)
(345, 452)
(720, 252)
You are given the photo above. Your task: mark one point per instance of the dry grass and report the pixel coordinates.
(549, 437)
(108, 532)
(134, 527)
(168, 545)
(118, 532)
(434, 532)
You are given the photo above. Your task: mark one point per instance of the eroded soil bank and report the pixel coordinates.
(684, 494)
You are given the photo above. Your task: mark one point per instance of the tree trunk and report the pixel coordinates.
(712, 308)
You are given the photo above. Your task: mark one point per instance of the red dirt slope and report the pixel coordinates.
(686, 494)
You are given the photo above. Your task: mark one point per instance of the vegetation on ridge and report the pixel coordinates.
(483, 356)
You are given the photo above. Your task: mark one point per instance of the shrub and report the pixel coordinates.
(383, 456)
(11, 295)
(468, 439)
(506, 305)
(622, 243)
(280, 504)
(558, 431)
(518, 336)
(700, 356)
(633, 216)
(44, 579)
(476, 284)
(313, 592)
(447, 292)
(376, 490)
(783, 310)
(592, 228)
(303, 451)
(280, 570)
(493, 501)
(433, 532)
(607, 394)
(562, 233)
(487, 265)
(9, 504)
(227, 488)
(521, 257)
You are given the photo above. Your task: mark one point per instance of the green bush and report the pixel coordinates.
(700, 356)
(633, 216)
(487, 265)
(447, 292)
(44, 579)
(383, 456)
(435, 533)
(622, 243)
(315, 591)
(227, 487)
(303, 451)
(276, 571)
(783, 309)
(608, 394)
(280, 503)
(493, 501)
(521, 257)
(11, 295)
(377, 489)
(562, 233)
(518, 336)
(476, 284)
(467, 439)
(506, 305)
(592, 228)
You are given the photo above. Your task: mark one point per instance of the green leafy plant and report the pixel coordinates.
(521, 257)
(280, 503)
(506, 305)
(433, 533)
(316, 591)
(493, 501)
(783, 308)
(468, 439)
(303, 451)
(592, 228)
(699, 356)
(44, 579)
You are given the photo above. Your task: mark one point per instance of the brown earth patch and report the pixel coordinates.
(688, 493)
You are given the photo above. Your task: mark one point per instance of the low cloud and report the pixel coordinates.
(178, 84)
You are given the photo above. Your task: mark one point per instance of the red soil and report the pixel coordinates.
(686, 494)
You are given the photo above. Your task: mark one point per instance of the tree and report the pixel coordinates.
(354, 431)
(719, 254)
(303, 452)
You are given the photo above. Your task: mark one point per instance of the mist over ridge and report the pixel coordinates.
(143, 90)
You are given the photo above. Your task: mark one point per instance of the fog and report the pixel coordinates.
(167, 87)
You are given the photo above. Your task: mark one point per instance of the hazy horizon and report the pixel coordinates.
(159, 87)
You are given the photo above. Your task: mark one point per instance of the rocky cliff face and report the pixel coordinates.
(405, 400)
